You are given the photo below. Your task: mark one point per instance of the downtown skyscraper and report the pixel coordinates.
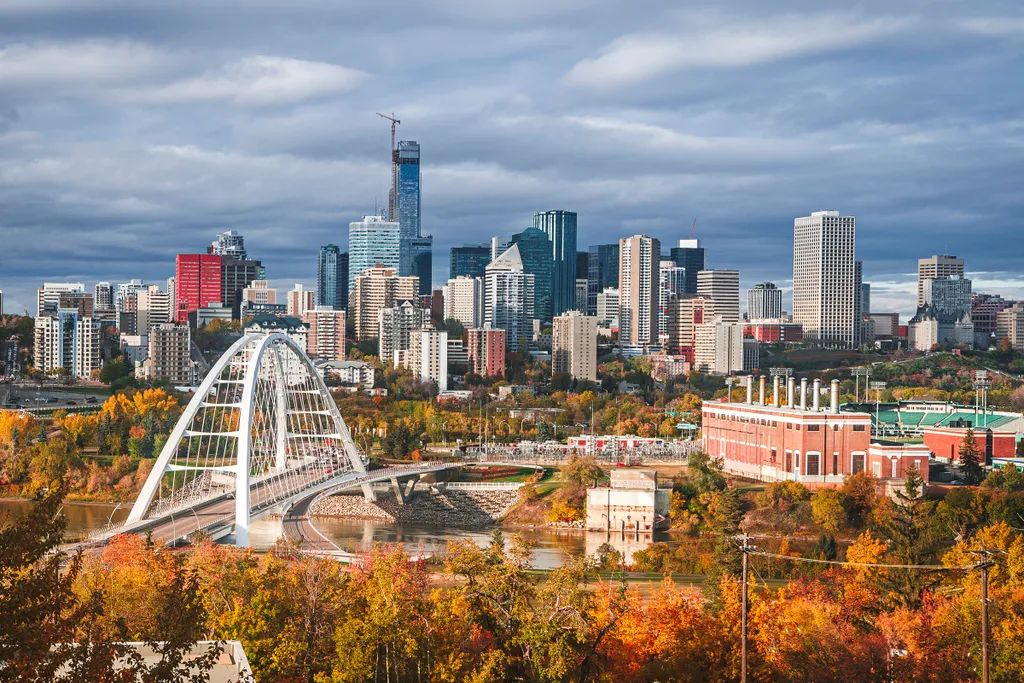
(639, 258)
(560, 227)
(332, 278)
(416, 250)
(825, 278)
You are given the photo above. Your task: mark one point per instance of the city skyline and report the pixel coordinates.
(102, 158)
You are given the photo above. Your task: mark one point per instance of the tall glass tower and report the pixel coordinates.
(689, 255)
(560, 227)
(332, 278)
(535, 252)
(603, 272)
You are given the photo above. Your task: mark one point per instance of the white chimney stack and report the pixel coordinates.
(760, 392)
(835, 397)
(750, 389)
(775, 391)
(790, 391)
(803, 393)
(816, 397)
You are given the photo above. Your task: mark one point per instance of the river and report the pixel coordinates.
(552, 545)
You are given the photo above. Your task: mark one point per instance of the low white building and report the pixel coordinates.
(351, 372)
(633, 502)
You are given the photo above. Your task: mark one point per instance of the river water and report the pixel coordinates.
(552, 545)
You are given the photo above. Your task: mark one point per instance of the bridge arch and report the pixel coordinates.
(261, 427)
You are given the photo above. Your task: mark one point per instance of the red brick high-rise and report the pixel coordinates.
(197, 282)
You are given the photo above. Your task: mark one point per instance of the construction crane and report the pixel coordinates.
(693, 227)
(393, 194)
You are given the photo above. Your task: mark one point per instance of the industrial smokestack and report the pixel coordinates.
(750, 389)
(835, 397)
(816, 397)
(775, 391)
(790, 391)
(760, 392)
(803, 393)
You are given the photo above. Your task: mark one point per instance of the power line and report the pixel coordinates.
(934, 567)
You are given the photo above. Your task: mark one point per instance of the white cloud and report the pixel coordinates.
(258, 81)
(639, 57)
(77, 64)
(995, 26)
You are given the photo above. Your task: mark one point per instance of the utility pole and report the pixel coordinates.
(393, 197)
(984, 566)
(746, 549)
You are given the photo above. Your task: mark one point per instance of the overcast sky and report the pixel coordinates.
(130, 131)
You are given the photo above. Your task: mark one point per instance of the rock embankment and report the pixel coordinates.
(454, 508)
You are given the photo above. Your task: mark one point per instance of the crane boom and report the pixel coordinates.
(393, 195)
(693, 227)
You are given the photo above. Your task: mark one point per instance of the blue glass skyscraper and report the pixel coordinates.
(689, 255)
(469, 260)
(416, 248)
(560, 227)
(332, 278)
(603, 272)
(535, 252)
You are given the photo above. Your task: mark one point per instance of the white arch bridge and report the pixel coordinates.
(261, 433)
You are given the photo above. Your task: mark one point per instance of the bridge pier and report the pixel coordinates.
(403, 493)
(368, 493)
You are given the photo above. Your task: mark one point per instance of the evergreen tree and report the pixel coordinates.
(969, 459)
(908, 524)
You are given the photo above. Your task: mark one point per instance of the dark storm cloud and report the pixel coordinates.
(130, 131)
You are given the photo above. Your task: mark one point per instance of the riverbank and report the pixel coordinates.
(459, 509)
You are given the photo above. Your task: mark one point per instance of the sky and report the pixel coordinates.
(131, 131)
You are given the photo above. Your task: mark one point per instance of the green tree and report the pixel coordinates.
(908, 523)
(970, 464)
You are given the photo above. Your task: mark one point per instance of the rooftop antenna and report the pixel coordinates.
(393, 198)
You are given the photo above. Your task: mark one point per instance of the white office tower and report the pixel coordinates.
(428, 356)
(464, 300)
(508, 297)
(574, 345)
(718, 347)
(608, 308)
(671, 283)
(372, 241)
(154, 308)
(935, 267)
(103, 296)
(67, 340)
(172, 296)
(764, 302)
(394, 327)
(722, 286)
(824, 277)
(48, 296)
(639, 257)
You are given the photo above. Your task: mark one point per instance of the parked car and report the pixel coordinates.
(91, 399)
(72, 403)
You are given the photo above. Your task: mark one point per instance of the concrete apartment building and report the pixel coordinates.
(326, 333)
(509, 297)
(825, 278)
(764, 302)
(722, 287)
(486, 351)
(464, 300)
(935, 267)
(1010, 325)
(685, 313)
(153, 307)
(299, 301)
(428, 356)
(639, 259)
(607, 307)
(67, 340)
(48, 296)
(718, 347)
(169, 355)
(395, 326)
(783, 437)
(574, 346)
(374, 289)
